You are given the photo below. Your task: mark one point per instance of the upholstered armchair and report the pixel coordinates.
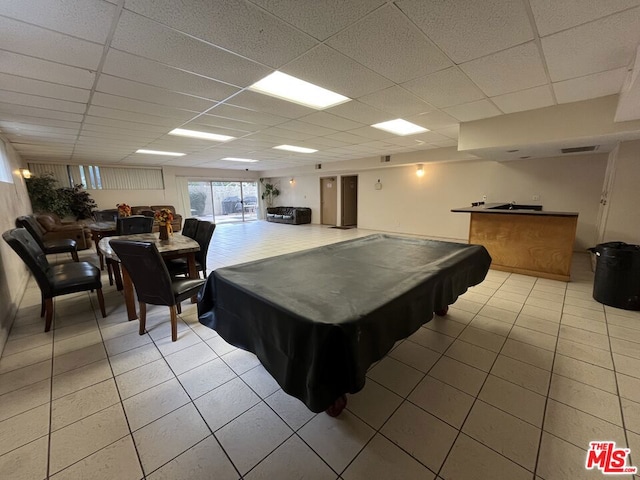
(55, 229)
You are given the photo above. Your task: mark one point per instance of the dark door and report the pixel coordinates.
(350, 200)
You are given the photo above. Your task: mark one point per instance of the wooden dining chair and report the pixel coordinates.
(134, 224)
(54, 280)
(152, 281)
(180, 266)
(49, 247)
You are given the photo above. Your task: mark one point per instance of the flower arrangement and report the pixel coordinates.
(124, 210)
(163, 216)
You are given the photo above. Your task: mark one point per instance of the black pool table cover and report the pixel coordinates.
(317, 319)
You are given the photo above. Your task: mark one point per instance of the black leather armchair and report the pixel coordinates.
(54, 280)
(134, 224)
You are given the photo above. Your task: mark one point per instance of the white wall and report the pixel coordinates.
(13, 273)
(409, 204)
(623, 219)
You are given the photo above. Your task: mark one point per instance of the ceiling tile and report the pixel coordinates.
(433, 120)
(371, 133)
(246, 115)
(330, 69)
(328, 120)
(44, 89)
(246, 29)
(473, 111)
(451, 132)
(265, 103)
(146, 93)
(552, 16)
(90, 20)
(37, 42)
(329, 142)
(130, 105)
(301, 126)
(320, 18)
(144, 37)
(120, 123)
(389, 44)
(41, 102)
(445, 88)
(11, 108)
(30, 67)
(142, 70)
(213, 124)
(287, 134)
(37, 129)
(517, 68)
(359, 112)
(530, 99)
(590, 86)
(397, 101)
(38, 121)
(347, 137)
(605, 44)
(143, 118)
(467, 30)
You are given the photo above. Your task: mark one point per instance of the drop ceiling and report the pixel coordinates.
(92, 81)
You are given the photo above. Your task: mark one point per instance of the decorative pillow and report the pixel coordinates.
(271, 214)
(287, 217)
(278, 216)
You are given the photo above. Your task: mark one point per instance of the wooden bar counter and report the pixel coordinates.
(522, 240)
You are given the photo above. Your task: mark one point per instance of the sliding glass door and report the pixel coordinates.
(222, 201)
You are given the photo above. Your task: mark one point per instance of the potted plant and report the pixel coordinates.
(45, 195)
(269, 192)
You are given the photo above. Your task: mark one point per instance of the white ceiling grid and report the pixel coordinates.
(95, 80)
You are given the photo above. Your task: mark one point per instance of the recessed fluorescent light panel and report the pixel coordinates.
(293, 148)
(204, 135)
(400, 127)
(158, 152)
(232, 159)
(292, 89)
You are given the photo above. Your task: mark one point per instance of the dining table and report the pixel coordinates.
(176, 246)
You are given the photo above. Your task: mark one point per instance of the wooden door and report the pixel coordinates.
(350, 200)
(328, 201)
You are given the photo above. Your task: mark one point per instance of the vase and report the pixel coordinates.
(164, 231)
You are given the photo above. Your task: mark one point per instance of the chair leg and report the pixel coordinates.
(42, 306)
(48, 302)
(179, 307)
(109, 271)
(101, 302)
(74, 255)
(174, 323)
(143, 317)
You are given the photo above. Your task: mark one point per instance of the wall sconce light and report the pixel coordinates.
(25, 172)
(292, 181)
(420, 171)
(377, 185)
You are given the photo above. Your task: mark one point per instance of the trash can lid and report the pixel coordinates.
(614, 247)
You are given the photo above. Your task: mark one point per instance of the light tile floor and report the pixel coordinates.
(512, 384)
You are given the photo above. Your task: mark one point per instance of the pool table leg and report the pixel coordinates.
(442, 311)
(337, 407)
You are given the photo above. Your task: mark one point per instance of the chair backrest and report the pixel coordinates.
(134, 224)
(190, 227)
(106, 215)
(203, 237)
(33, 227)
(21, 241)
(147, 270)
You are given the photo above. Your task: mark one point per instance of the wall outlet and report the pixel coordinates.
(484, 198)
(536, 197)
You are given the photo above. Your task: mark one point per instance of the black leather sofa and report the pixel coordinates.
(291, 215)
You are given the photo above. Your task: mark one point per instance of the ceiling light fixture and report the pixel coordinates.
(181, 132)
(293, 148)
(158, 152)
(233, 159)
(400, 127)
(420, 171)
(292, 89)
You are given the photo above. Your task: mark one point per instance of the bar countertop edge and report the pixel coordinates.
(488, 208)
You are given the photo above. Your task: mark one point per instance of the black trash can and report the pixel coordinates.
(617, 278)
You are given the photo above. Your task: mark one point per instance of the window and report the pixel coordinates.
(5, 167)
(90, 176)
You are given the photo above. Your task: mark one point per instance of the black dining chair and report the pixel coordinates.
(190, 226)
(109, 215)
(54, 280)
(49, 247)
(152, 281)
(180, 266)
(134, 224)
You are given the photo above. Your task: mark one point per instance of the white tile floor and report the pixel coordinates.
(512, 384)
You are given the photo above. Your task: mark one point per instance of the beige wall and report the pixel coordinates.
(623, 219)
(13, 273)
(409, 204)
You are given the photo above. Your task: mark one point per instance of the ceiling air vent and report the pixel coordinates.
(589, 148)
(385, 158)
